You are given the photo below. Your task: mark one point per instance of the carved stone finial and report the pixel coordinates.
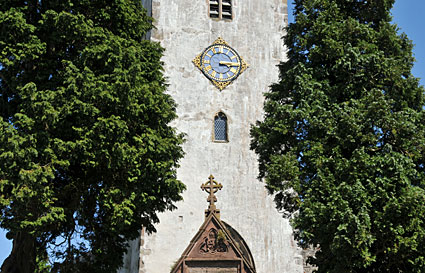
(211, 187)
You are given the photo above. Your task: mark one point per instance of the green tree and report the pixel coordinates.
(343, 138)
(87, 156)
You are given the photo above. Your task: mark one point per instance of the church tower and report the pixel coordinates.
(220, 57)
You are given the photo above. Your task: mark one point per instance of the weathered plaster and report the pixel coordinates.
(184, 30)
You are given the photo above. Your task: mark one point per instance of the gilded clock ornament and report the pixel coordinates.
(220, 63)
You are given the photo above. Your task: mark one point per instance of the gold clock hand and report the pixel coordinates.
(229, 63)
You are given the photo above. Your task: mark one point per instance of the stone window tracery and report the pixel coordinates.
(221, 9)
(220, 127)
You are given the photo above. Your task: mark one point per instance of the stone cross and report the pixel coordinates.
(211, 187)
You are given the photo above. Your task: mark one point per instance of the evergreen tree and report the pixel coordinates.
(86, 153)
(343, 138)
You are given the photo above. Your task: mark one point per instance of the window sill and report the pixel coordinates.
(220, 141)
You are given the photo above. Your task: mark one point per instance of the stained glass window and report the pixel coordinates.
(220, 127)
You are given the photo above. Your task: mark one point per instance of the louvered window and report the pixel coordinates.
(214, 9)
(220, 127)
(226, 9)
(221, 9)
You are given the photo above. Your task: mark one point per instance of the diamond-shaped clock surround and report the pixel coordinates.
(200, 63)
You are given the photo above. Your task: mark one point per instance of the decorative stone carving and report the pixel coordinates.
(216, 247)
(213, 243)
(211, 187)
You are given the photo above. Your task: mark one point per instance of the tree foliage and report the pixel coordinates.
(86, 153)
(343, 139)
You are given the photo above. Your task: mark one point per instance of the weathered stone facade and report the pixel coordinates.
(309, 252)
(184, 29)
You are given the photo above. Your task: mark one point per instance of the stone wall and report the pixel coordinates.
(184, 29)
(309, 252)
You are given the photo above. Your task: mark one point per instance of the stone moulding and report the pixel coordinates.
(215, 247)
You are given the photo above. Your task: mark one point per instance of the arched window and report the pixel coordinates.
(221, 9)
(220, 127)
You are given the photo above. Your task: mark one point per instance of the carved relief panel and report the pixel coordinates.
(213, 243)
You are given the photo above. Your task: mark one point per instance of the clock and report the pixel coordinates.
(220, 63)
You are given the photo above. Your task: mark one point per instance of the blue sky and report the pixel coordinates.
(408, 15)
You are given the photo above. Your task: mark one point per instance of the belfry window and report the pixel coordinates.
(221, 9)
(220, 127)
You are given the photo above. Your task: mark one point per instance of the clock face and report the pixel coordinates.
(220, 63)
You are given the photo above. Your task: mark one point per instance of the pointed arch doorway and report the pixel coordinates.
(216, 247)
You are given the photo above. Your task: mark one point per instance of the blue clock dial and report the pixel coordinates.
(221, 63)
